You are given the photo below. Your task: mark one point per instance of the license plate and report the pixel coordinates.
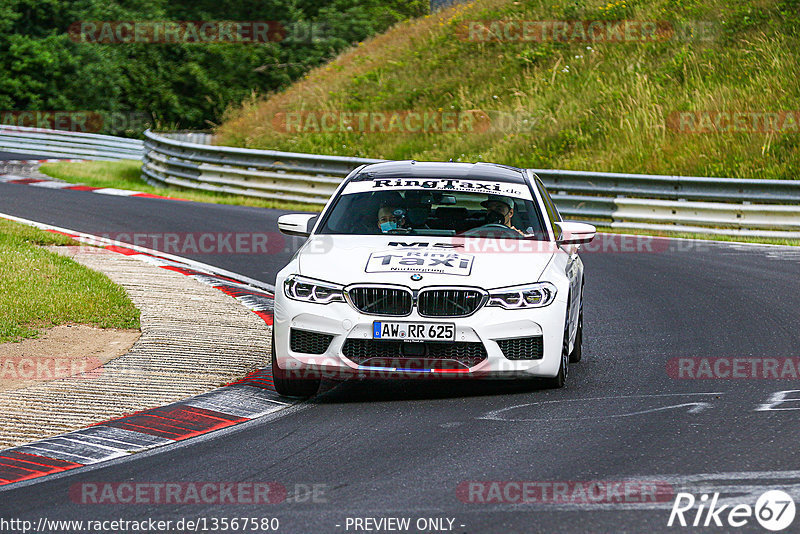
(414, 331)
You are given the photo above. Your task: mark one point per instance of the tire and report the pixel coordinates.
(577, 350)
(560, 380)
(291, 387)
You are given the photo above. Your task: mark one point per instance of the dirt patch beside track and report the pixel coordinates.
(65, 351)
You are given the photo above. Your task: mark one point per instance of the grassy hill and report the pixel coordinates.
(599, 105)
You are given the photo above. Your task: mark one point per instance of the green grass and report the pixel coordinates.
(127, 174)
(41, 289)
(600, 106)
(704, 237)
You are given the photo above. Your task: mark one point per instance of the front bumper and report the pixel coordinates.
(485, 327)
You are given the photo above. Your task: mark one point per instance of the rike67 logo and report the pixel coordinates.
(774, 510)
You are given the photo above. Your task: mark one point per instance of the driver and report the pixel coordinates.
(499, 210)
(390, 218)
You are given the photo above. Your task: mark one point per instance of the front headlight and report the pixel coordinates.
(297, 287)
(523, 297)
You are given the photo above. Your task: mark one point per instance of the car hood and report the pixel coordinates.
(486, 263)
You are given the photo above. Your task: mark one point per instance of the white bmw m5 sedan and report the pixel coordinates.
(430, 269)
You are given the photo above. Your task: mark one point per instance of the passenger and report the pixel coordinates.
(390, 218)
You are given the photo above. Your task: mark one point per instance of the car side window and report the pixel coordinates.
(549, 205)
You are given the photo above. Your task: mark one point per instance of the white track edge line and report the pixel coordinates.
(210, 269)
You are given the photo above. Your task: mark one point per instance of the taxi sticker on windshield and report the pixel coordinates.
(440, 184)
(420, 261)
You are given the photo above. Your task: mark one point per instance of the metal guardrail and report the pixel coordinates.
(723, 206)
(61, 144)
(268, 174)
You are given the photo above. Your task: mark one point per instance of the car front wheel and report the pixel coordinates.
(560, 379)
(577, 350)
(292, 386)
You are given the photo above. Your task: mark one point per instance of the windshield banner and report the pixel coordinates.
(440, 184)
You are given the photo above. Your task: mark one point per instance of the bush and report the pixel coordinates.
(169, 85)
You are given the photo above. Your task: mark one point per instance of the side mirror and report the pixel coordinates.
(298, 224)
(575, 233)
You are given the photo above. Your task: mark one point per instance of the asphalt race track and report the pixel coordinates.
(19, 156)
(403, 449)
(153, 220)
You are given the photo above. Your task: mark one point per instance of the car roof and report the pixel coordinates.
(439, 169)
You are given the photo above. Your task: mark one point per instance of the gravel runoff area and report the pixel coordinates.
(194, 339)
(25, 168)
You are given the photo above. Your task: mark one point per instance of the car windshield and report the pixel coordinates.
(507, 214)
